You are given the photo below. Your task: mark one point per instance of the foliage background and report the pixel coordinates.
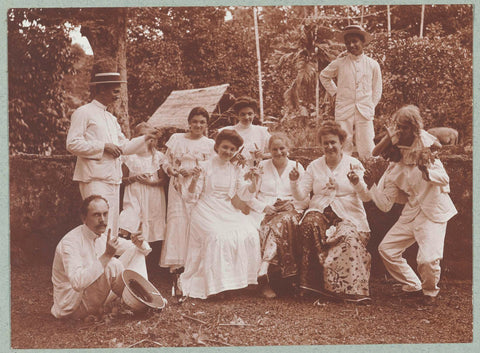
(181, 48)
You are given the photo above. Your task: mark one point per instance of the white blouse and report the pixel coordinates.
(254, 137)
(273, 186)
(221, 180)
(345, 200)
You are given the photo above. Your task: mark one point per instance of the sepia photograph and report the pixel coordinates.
(241, 176)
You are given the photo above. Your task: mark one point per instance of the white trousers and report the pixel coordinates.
(96, 294)
(360, 134)
(430, 237)
(111, 192)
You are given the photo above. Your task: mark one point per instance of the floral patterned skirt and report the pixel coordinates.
(335, 260)
(279, 241)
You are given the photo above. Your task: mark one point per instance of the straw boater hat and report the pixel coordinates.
(354, 29)
(106, 77)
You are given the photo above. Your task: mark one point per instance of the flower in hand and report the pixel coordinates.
(253, 173)
(331, 185)
(137, 239)
(196, 171)
(294, 174)
(352, 176)
(238, 159)
(425, 158)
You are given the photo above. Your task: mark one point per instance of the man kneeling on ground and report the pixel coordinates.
(85, 270)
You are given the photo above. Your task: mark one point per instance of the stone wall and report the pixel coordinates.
(44, 203)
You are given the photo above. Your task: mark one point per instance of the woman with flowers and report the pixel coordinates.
(184, 150)
(334, 230)
(224, 247)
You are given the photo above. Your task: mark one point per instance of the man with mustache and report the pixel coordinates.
(357, 91)
(97, 140)
(85, 270)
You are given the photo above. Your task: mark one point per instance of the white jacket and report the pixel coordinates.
(359, 85)
(92, 126)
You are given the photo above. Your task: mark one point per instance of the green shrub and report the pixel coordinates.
(434, 73)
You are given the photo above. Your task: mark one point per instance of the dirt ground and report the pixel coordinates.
(242, 319)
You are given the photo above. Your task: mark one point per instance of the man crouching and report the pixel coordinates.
(85, 271)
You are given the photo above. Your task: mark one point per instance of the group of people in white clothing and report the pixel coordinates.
(239, 209)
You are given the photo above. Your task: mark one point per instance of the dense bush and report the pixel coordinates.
(180, 48)
(434, 73)
(38, 58)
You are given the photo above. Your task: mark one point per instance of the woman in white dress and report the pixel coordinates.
(277, 213)
(255, 138)
(184, 151)
(224, 247)
(144, 203)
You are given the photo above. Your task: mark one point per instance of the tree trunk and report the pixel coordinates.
(422, 17)
(317, 96)
(107, 35)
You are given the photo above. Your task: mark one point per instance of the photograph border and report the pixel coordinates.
(5, 299)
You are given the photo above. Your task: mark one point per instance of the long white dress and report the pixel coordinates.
(224, 246)
(182, 152)
(142, 202)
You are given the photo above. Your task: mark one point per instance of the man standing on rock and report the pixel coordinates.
(84, 268)
(357, 92)
(96, 138)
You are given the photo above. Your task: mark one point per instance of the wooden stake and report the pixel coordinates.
(259, 62)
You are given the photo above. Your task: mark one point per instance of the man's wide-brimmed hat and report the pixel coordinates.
(106, 77)
(354, 29)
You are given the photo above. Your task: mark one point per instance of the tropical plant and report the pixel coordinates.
(39, 55)
(309, 49)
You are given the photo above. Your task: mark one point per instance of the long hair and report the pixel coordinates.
(409, 114)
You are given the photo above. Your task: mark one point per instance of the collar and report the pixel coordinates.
(217, 160)
(242, 127)
(89, 233)
(355, 57)
(99, 105)
(342, 158)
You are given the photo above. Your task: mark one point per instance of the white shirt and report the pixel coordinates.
(345, 200)
(92, 126)
(273, 186)
(359, 85)
(431, 197)
(253, 135)
(78, 262)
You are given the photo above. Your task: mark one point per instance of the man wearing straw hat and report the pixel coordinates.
(85, 273)
(357, 92)
(96, 138)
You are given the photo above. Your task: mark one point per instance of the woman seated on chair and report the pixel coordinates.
(277, 213)
(334, 230)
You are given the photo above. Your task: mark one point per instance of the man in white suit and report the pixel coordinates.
(357, 92)
(423, 184)
(97, 140)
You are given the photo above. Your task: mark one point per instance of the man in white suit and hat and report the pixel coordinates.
(97, 140)
(357, 91)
